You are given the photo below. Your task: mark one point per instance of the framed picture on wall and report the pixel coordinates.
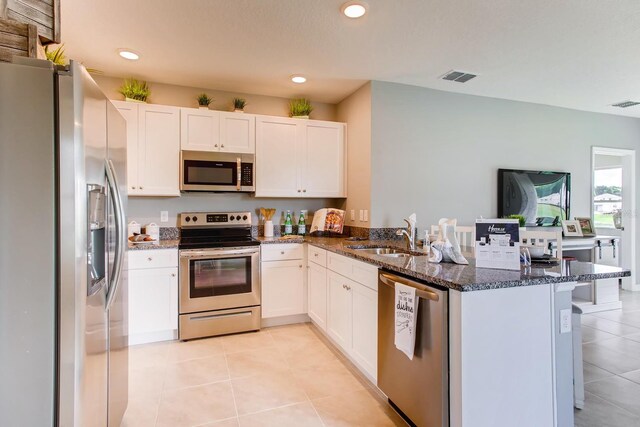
(586, 226)
(571, 228)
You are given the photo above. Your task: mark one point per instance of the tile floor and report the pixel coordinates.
(611, 352)
(284, 376)
(290, 376)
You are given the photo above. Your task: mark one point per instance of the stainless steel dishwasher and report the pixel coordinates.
(419, 388)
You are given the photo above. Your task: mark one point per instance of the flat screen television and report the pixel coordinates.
(543, 198)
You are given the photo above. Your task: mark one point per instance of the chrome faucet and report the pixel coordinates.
(409, 234)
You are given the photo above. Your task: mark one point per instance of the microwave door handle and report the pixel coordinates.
(121, 239)
(239, 174)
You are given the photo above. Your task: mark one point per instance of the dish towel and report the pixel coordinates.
(405, 319)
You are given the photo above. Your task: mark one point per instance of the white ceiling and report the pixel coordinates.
(582, 54)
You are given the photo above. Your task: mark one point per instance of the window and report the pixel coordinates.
(607, 196)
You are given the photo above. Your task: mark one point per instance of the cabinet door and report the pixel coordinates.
(317, 280)
(159, 150)
(365, 328)
(129, 111)
(323, 168)
(237, 133)
(199, 129)
(153, 304)
(282, 288)
(277, 157)
(339, 310)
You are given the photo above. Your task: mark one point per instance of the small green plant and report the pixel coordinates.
(239, 103)
(134, 89)
(204, 100)
(521, 219)
(57, 55)
(300, 107)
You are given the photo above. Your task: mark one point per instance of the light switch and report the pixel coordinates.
(366, 215)
(361, 215)
(353, 214)
(565, 321)
(164, 216)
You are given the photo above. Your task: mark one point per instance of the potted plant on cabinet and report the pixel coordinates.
(135, 91)
(300, 108)
(239, 104)
(204, 100)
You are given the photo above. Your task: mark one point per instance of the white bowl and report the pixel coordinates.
(536, 252)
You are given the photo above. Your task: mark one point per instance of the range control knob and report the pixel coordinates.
(231, 218)
(195, 218)
(187, 219)
(244, 217)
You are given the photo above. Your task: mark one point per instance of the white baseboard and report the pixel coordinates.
(285, 320)
(150, 337)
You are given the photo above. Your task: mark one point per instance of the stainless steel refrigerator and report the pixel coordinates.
(63, 272)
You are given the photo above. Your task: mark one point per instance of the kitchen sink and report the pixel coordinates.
(390, 252)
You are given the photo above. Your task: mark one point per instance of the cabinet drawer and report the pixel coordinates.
(282, 252)
(157, 258)
(340, 264)
(317, 256)
(366, 274)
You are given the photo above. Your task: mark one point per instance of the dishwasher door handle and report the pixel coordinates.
(392, 280)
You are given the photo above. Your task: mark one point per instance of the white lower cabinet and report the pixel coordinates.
(317, 282)
(364, 347)
(153, 295)
(340, 311)
(283, 281)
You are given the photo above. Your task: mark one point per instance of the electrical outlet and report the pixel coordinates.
(366, 215)
(353, 215)
(565, 321)
(164, 216)
(361, 215)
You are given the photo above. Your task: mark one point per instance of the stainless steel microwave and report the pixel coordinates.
(217, 172)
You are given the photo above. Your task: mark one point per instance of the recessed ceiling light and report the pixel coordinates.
(354, 9)
(296, 78)
(129, 54)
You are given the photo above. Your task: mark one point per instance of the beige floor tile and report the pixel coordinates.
(298, 415)
(619, 391)
(231, 422)
(256, 362)
(608, 359)
(309, 354)
(327, 379)
(146, 355)
(592, 335)
(360, 408)
(267, 391)
(196, 405)
(609, 326)
(179, 350)
(140, 413)
(633, 376)
(196, 372)
(600, 413)
(593, 373)
(622, 345)
(247, 341)
(146, 382)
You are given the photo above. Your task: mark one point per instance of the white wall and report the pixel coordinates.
(355, 110)
(437, 153)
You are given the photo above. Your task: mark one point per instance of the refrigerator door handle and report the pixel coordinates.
(121, 234)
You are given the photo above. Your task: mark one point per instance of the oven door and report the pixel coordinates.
(216, 279)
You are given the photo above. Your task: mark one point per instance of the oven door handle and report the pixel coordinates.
(218, 253)
(239, 174)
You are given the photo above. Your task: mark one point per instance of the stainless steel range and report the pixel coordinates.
(219, 274)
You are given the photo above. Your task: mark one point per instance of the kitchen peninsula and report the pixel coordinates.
(510, 362)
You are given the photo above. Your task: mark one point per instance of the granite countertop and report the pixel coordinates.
(462, 278)
(161, 244)
(466, 278)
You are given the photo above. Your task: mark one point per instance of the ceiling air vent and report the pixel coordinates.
(458, 76)
(625, 104)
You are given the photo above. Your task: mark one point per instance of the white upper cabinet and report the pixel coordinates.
(207, 130)
(200, 129)
(322, 171)
(237, 132)
(153, 148)
(299, 158)
(277, 157)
